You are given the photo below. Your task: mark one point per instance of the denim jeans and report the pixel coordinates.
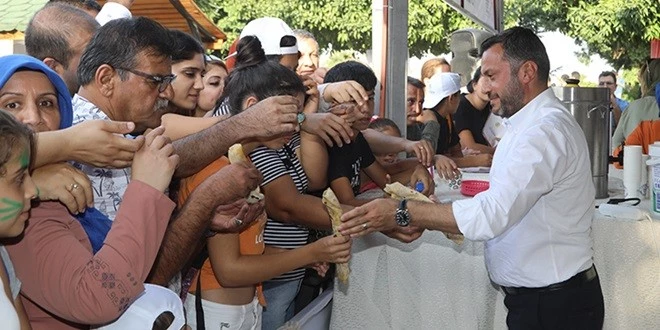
(280, 297)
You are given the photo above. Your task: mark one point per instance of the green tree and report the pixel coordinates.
(346, 24)
(620, 31)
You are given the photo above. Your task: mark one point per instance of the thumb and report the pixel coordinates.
(119, 127)
(388, 179)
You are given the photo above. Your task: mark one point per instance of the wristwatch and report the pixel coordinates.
(402, 216)
(301, 118)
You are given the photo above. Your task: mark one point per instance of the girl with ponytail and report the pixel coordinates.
(227, 291)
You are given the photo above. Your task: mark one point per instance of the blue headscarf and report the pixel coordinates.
(95, 223)
(11, 63)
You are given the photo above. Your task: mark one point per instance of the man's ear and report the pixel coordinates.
(250, 101)
(54, 65)
(528, 72)
(106, 77)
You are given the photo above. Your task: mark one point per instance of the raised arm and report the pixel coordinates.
(271, 117)
(95, 142)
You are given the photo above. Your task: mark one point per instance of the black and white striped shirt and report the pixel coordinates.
(274, 164)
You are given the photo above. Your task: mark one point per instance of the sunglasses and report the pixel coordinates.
(160, 80)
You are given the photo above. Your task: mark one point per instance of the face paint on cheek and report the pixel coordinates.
(25, 158)
(9, 209)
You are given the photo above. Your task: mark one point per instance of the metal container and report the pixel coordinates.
(591, 109)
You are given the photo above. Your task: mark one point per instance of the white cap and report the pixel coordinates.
(441, 85)
(270, 31)
(142, 313)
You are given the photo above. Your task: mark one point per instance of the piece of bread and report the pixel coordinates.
(236, 156)
(398, 191)
(334, 210)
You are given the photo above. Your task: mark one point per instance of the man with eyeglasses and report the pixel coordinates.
(618, 106)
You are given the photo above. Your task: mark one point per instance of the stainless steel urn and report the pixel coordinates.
(591, 109)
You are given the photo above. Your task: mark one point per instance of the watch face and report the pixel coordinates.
(402, 217)
(301, 117)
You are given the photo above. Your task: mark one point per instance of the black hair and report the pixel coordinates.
(51, 29)
(352, 70)
(286, 41)
(184, 46)
(475, 79)
(608, 74)
(163, 321)
(118, 44)
(82, 4)
(415, 82)
(13, 135)
(520, 45)
(256, 76)
(380, 123)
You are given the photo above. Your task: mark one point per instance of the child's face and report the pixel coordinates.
(363, 113)
(16, 192)
(387, 158)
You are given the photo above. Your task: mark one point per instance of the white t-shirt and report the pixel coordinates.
(8, 316)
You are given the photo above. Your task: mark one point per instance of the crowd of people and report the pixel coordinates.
(120, 206)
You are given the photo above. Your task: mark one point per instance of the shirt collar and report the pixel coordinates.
(527, 113)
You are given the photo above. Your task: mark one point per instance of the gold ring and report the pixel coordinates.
(74, 186)
(238, 222)
(364, 226)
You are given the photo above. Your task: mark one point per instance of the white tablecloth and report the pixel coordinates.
(433, 283)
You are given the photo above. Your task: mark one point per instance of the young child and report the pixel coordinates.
(385, 126)
(16, 193)
(346, 162)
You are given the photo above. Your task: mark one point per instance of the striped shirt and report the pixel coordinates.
(274, 164)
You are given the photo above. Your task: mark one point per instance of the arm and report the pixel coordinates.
(284, 203)
(60, 273)
(467, 141)
(232, 269)
(385, 144)
(314, 159)
(271, 117)
(431, 133)
(178, 126)
(225, 186)
(96, 142)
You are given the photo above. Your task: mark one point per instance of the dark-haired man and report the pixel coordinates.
(536, 217)
(426, 129)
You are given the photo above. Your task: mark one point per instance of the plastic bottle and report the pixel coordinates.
(654, 179)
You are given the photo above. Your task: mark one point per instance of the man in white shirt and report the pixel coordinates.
(536, 217)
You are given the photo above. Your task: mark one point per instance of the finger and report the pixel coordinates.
(327, 139)
(120, 163)
(167, 149)
(118, 127)
(79, 196)
(388, 179)
(86, 186)
(158, 142)
(352, 216)
(341, 131)
(125, 155)
(358, 93)
(242, 212)
(149, 138)
(126, 144)
(69, 201)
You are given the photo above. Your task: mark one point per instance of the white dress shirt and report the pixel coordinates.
(536, 217)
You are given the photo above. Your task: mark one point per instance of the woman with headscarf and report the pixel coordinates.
(66, 285)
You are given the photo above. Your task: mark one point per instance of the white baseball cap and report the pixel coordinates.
(142, 313)
(441, 85)
(270, 31)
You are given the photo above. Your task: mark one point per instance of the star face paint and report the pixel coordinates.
(9, 209)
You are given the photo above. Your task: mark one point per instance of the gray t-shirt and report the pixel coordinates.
(14, 282)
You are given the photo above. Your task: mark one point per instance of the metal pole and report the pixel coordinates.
(397, 63)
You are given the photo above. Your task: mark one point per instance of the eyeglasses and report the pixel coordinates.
(161, 81)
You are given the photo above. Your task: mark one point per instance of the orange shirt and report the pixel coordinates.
(647, 132)
(251, 239)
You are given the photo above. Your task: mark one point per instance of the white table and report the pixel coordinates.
(433, 283)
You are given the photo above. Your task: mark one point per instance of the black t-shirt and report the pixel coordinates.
(448, 136)
(348, 160)
(469, 118)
